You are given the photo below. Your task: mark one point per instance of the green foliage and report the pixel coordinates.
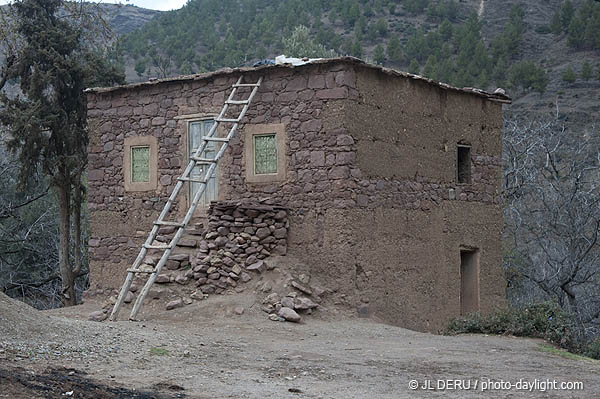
(379, 55)
(299, 44)
(443, 9)
(583, 25)
(394, 49)
(414, 67)
(545, 320)
(47, 125)
(567, 11)
(159, 351)
(527, 75)
(415, 6)
(569, 75)
(586, 71)
(556, 24)
(593, 349)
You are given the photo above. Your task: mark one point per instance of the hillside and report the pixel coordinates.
(509, 45)
(126, 18)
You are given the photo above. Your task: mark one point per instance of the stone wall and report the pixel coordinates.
(361, 146)
(239, 236)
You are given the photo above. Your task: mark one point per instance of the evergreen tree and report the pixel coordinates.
(445, 30)
(569, 75)
(430, 68)
(556, 24)
(567, 11)
(357, 50)
(48, 127)
(576, 33)
(299, 44)
(414, 67)
(586, 71)
(140, 67)
(379, 55)
(394, 49)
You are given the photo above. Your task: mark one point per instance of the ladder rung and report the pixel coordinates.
(203, 160)
(220, 139)
(157, 246)
(246, 85)
(227, 120)
(140, 271)
(165, 223)
(236, 102)
(191, 179)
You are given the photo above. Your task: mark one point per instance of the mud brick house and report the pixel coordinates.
(391, 180)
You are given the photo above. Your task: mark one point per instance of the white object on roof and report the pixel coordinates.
(282, 59)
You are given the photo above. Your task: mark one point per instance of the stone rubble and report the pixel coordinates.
(235, 243)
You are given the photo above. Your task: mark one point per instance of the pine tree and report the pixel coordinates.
(567, 12)
(379, 55)
(569, 75)
(394, 49)
(430, 67)
(555, 24)
(357, 50)
(414, 67)
(586, 71)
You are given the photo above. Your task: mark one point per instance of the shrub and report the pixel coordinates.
(545, 320)
(569, 75)
(593, 349)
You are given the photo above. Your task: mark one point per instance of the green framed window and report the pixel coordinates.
(140, 164)
(265, 154)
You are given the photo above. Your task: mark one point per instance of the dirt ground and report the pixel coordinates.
(205, 350)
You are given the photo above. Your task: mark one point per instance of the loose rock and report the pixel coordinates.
(289, 314)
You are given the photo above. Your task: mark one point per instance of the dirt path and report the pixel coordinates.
(212, 353)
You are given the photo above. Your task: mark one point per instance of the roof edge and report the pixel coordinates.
(498, 96)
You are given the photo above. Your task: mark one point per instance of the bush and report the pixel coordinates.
(569, 75)
(593, 349)
(545, 320)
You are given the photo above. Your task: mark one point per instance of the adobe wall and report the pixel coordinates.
(374, 208)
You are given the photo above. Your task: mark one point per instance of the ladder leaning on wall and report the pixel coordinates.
(195, 159)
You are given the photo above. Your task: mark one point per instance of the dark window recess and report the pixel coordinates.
(463, 164)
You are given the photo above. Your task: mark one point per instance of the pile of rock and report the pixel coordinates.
(237, 238)
(290, 307)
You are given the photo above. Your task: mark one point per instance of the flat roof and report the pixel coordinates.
(498, 96)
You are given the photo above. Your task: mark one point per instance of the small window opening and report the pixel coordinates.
(469, 281)
(463, 164)
(265, 154)
(140, 164)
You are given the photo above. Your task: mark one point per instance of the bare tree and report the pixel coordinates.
(552, 218)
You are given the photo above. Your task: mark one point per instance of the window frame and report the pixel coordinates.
(132, 149)
(254, 137)
(250, 131)
(131, 143)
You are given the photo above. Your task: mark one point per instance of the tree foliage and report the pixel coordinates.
(47, 123)
(299, 44)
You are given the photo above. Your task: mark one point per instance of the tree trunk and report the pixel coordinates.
(77, 223)
(66, 272)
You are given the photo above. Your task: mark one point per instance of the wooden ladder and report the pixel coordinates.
(195, 159)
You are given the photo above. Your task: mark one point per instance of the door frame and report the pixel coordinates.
(189, 119)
